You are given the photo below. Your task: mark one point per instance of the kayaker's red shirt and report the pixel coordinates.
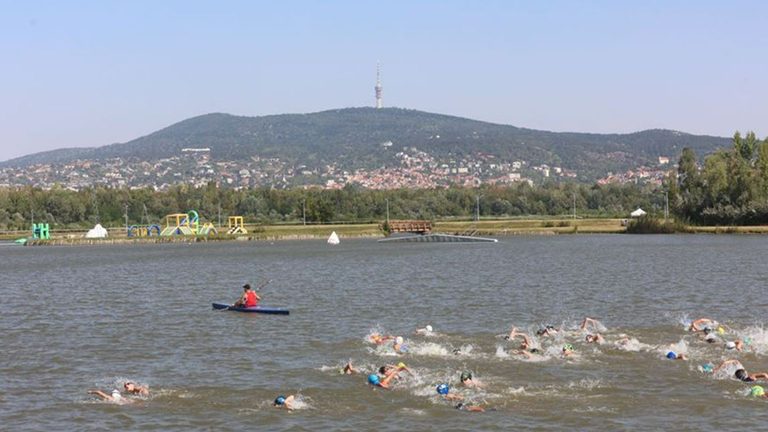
(250, 299)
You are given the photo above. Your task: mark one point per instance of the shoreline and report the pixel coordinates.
(486, 228)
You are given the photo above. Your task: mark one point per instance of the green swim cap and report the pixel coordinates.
(757, 391)
(466, 375)
(567, 347)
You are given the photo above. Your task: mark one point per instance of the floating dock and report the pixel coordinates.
(437, 238)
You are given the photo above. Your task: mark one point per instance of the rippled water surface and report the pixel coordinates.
(80, 318)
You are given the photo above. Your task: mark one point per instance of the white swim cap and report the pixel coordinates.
(429, 328)
(116, 394)
(730, 345)
(399, 340)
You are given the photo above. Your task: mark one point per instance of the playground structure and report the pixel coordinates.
(186, 224)
(143, 230)
(41, 231)
(235, 225)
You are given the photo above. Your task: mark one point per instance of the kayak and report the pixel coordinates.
(255, 309)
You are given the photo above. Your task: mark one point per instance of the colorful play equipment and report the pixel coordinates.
(41, 231)
(143, 230)
(186, 224)
(236, 226)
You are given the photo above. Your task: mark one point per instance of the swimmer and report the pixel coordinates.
(468, 381)
(399, 346)
(741, 373)
(426, 331)
(471, 408)
(387, 369)
(526, 346)
(115, 397)
(132, 388)
(568, 350)
(348, 369)
(284, 402)
(709, 337)
(757, 391)
(444, 390)
(676, 356)
(587, 321)
(595, 338)
(376, 381)
(701, 324)
(737, 345)
(379, 339)
(549, 330)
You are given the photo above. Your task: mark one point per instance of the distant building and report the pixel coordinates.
(663, 160)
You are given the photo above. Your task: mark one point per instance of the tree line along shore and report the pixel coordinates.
(728, 189)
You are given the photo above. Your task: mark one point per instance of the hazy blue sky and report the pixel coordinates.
(90, 73)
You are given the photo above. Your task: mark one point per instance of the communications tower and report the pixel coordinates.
(378, 87)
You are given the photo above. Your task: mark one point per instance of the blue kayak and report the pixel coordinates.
(256, 309)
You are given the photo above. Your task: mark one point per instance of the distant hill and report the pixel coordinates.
(356, 137)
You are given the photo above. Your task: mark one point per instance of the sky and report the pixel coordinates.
(92, 73)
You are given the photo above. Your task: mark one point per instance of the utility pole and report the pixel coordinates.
(574, 205)
(126, 218)
(304, 211)
(219, 206)
(387, 211)
(477, 208)
(666, 206)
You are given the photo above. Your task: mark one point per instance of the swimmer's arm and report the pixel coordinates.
(726, 363)
(258, 297)
(759, 375)
(454, 397)
(390, 376)
(100, 394)
(289, 402)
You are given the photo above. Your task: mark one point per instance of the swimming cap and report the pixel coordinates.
(757, 391)
(741, 374)
(399, 340)
(721, 330)
(671, 355)
(708, 368)
(443, 389)
(401, 365)
(429, 328)
(373, 379)
(466, 375)
(116, 395)
(567, 347)
(280, 400)
(730, 345)
(710, 338)
(747, 340)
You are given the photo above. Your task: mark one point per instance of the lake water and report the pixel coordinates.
(80, 318)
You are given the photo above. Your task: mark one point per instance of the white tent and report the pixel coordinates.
(97, 232)
(333, 239)
(637, 213)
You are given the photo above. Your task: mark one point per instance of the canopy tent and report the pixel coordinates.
(97, 232)
(637, 213)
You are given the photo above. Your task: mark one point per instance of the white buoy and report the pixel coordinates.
(333, 238)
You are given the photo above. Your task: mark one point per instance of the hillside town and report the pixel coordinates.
(411, 168)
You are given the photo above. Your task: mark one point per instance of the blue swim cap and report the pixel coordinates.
(443, 389)
(671, 355)
(373, 379)
(280, 400)
(708, 368)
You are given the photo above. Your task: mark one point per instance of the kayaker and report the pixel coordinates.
(249, 298)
